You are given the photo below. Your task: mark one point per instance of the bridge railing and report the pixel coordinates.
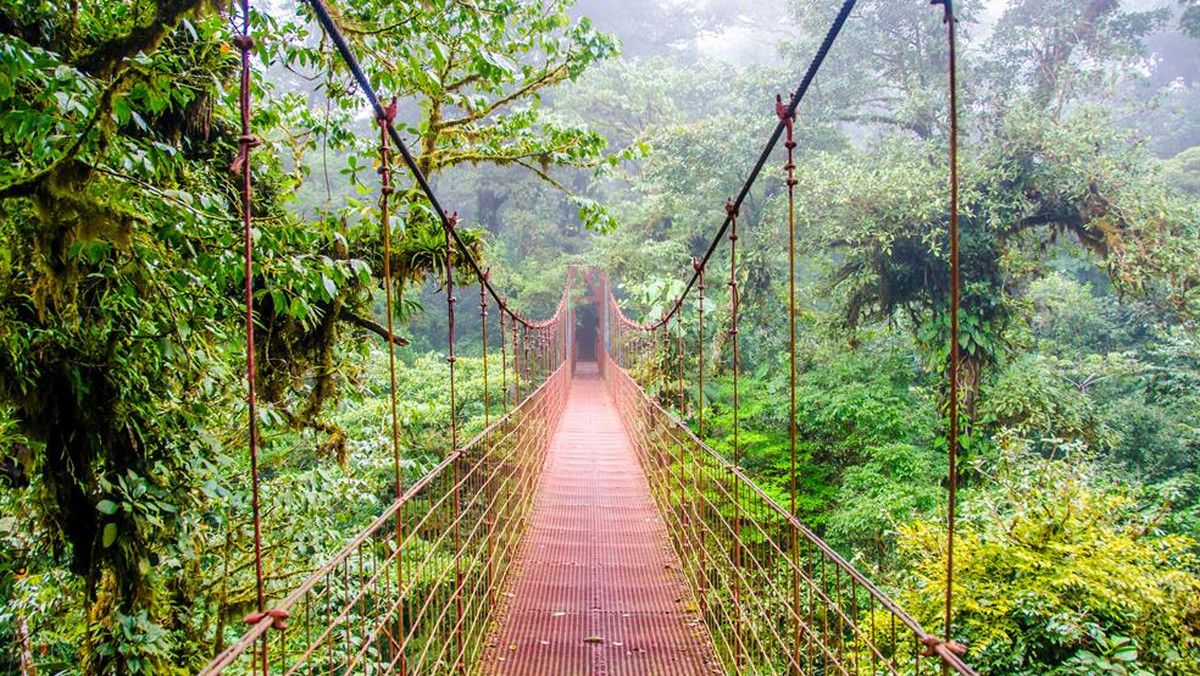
(775, 598)
(414, 593)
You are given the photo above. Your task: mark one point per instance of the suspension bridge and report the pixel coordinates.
(589, 528)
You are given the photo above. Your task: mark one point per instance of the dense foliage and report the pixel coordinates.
(1079, 316)
(124, 499)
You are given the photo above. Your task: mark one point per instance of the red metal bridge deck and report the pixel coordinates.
(597, 588)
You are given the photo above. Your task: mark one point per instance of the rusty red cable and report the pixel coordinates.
(516, 366)
(386, 190)
(682, 414)
(385, 174)
(483, 331)
(699, 268)
(732, 210)
(246, 142)
(955, 300)
(789, 119)
(503, 365)
(525, 340)
(450, 302)
(241, 165)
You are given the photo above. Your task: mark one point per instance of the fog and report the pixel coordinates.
(756, 33)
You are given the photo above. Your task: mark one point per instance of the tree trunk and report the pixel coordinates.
(970, 372)
(24, 646)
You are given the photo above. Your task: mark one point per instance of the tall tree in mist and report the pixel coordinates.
(1042, 159)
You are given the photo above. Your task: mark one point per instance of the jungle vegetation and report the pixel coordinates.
(607, 134)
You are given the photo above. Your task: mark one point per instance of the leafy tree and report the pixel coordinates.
(1189, 19)
(858, 412)
(1063, 52)
(1031, 172)
(1183, 171)
(117, 232)
(475, 77)
(1112, 374)
(1058, 568)
(121, 276)
(1033, 180)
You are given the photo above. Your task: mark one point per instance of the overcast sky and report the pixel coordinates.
(749, 43)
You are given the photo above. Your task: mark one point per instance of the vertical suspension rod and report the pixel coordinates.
(241, 165)
(503, 364)
(955, 301)
(790, 144)
(459, 661)
(386, 190)
(732, 210)
(698, 471)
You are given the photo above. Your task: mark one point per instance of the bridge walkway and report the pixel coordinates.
(597, 589)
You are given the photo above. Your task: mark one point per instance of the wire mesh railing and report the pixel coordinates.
(775, 598)
(415, 592)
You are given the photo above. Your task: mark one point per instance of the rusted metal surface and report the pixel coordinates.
(414, 593)
(598, 588)
(757, 572)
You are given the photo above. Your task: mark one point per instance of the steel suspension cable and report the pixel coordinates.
(790, 168)
(339, 42)
(241, 164)
(809, 75)
(955, 300)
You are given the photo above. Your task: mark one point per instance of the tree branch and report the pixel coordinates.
(545, 177)
(28, 186)
(551, 76)
(463, 82)
(917, 128)
(1072, 220)
(359, 30)
(377, 329)
(107, 56)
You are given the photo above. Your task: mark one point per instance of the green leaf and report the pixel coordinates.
(110, 535)
(1129, 654)
(298, 308)
(107, 507)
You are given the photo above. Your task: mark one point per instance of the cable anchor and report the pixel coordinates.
(931, 644)
(278, 617)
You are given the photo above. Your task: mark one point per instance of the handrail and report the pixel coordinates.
(646, 411)
(496, 469)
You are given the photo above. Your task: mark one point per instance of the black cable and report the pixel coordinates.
(339, 41)
(809, 75)
(343, 48)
